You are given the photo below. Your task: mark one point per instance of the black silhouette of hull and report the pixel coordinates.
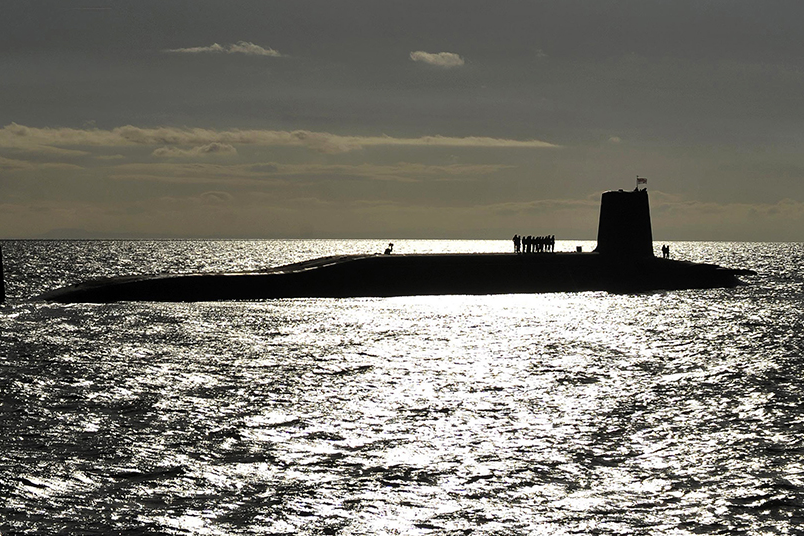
(407, 275)
(622, 262)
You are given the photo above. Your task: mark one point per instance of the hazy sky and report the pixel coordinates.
(382, 118)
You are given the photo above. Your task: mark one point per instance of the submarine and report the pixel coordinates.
(622, 262)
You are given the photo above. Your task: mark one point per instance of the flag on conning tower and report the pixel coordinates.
(642, 180)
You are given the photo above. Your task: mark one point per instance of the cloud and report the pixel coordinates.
(241, 47)
(543, 206)
(10, 164)
(262, 173)
(216, 198)
(250, 49)
(49, 151)
(19, 136)
(446, 141)
(678, 218)
(211, 149)
(446, 60)
(264, 168)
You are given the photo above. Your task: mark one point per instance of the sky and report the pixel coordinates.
(399, 118)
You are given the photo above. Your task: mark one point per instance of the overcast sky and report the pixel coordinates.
(383, 118)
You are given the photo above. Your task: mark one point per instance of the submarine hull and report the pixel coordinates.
(622, 262)
(408, 275)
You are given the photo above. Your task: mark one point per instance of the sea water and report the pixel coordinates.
(570, 413)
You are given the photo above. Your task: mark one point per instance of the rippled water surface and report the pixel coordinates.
(587, 413)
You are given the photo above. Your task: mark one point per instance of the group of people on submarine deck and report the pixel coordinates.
(534, 244)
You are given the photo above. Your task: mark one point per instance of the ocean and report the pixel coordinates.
(570, 413)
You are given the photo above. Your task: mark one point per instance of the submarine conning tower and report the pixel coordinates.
(624, 228)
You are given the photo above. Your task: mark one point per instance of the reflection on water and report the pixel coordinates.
(669, 412)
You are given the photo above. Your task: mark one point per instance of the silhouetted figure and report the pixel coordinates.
(389, 249)
(665, 251)
(535, 244)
